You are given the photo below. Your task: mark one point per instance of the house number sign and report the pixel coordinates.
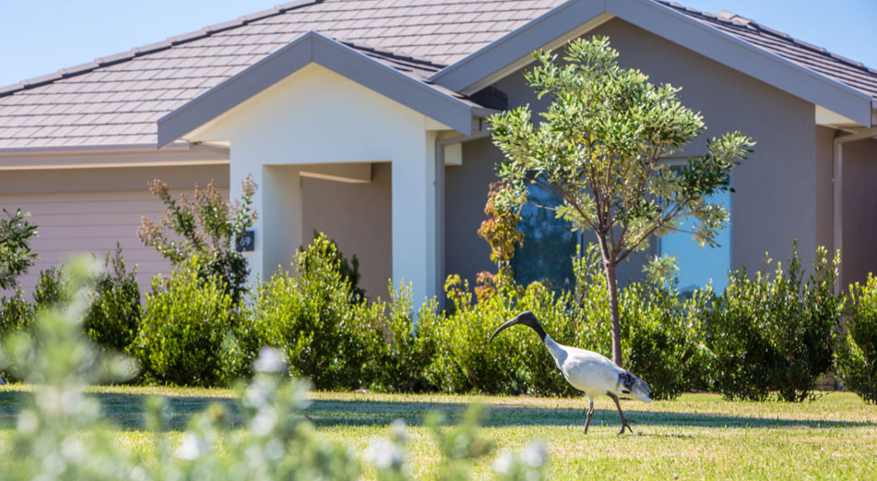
(247, 241)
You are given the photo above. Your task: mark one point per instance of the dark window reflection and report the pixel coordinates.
(549, 242)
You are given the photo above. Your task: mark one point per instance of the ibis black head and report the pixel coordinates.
(525, 318)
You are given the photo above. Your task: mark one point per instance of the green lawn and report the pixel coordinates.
(695, 437)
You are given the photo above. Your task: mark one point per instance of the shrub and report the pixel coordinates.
(114, 317)
(15, 254)
(513, 363)
(464, 361)
(50, 290)
(16, 316)
(185, 321)
(664, 337)
(660, 335)
(406, 349)
(16, 313)
(348, 269)
(774, 333)
(803, 321)
(311, 316)
(857, 348)
(209, 227)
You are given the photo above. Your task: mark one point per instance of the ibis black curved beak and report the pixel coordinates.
(526, 318)
(505, 326)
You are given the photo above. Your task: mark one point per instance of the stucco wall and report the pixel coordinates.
(89, 210)
(824, 187)
(466, 187)
(357, 217)
(776, 187)
(860, 210)
(315, 116)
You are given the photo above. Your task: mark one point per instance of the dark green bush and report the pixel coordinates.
(114, 317)
(663, 337)
(515, 362)
(774, 333)
(15, 254)
(856, 352)
(464, 361)
(310, 315)
(347, 268)
(16, 315)
(50, 289)
(741, 355)
(184, 328)
(405, 349)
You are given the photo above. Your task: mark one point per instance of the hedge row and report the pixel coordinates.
(771, 334)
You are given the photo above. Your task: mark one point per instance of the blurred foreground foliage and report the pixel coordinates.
(60, 433)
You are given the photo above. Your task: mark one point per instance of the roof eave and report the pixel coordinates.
(109, 155)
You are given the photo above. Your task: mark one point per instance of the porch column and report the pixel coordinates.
(277, 202)
(414, 221)
(282, 224)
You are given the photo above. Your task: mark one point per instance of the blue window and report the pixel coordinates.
(550, 245)
(698, 266)
(549, 242)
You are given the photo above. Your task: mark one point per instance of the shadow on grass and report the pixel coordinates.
(126, 411)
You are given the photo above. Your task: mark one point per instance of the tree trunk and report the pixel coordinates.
(612, 285)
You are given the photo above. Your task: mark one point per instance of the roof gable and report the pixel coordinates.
(434, 102)
(567, 21)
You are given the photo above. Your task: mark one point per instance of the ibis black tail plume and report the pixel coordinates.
(525, 318)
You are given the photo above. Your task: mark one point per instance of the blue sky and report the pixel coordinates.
(42, 36)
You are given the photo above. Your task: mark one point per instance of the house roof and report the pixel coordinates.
(850, 72)
(118, 100)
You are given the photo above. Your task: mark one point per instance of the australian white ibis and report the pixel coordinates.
(587, 371)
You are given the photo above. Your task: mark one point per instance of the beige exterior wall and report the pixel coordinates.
(357, 217)
(777, 189)
(775, 200)
(859, 210)
(825, 187)
(466, 189)
(89, 210)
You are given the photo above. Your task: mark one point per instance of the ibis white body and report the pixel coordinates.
(587, 371)
(594, 374)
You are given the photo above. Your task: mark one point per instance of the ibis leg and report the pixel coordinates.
(590, 413)
(624, 421)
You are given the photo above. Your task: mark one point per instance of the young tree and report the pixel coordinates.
(207, 227)
(599, 147)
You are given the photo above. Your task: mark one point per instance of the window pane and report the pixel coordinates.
(697, 266)
(549, 243)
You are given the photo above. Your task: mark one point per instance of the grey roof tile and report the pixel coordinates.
(798, 51)
(117, 99)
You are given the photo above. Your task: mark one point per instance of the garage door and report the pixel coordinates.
(93, 221)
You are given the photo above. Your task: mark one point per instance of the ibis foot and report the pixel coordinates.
(590, 414)
(625, 423)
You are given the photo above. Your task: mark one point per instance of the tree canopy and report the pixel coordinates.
(601, 147)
